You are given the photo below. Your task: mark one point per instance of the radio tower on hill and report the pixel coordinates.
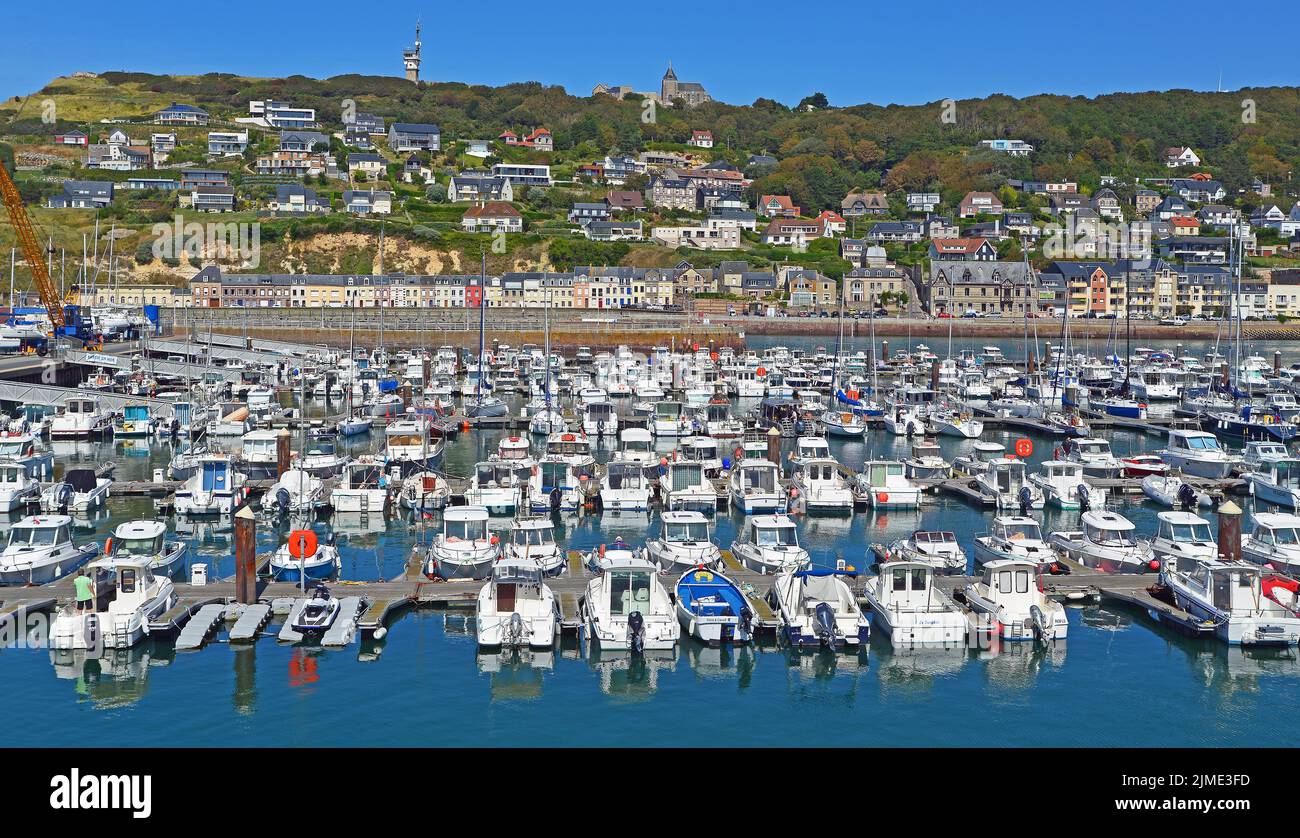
(411, 57)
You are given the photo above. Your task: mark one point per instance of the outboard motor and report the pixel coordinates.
(911, 428)
(1187, 497)
(556, 497)
(1041, 628)
(746, 620)
(516, 628)
(1085, 499)
(636, 632)
(63, 497)
(824, 623)
(282, 500)
(1025, 497)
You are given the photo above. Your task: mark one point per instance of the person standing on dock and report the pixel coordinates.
(85, 591)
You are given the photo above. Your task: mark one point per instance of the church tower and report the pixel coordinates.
(411, 57)
(668, 86)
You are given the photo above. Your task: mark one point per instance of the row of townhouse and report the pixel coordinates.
(1159, 288)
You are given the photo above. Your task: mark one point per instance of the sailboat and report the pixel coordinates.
(483, 405)
(547, 420)
(353, 423)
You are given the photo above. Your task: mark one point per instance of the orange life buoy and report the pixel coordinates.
(762, 371)
(882, 497)
(1024, 447)
(302, 544)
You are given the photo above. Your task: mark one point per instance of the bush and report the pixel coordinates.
(437, 193)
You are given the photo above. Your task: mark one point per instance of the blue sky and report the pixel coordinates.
(856, 51)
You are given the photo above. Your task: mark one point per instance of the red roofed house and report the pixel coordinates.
(963, 250)
(976, 203)
(72, 138)
(1185, 225)
(701, 139)
(493, 215)
(540, 139)
(777, 206)
(791, 231)
(832, 223)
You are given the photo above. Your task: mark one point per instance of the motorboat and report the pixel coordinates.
(516, 608)
(1172, 491)
(501, 483)
(670, 420)
(1107, 543)
(703, 450)
(1063, 485)
(409, 445)
(40, 550)
(1015, 537)
(1199, 454)
(297, 492)
(886, 485)
(136, 421)
(362, 487)
(910, 609)
(533, 540)
(684, 542)
(770, 544)
(717, 421)
(563, 483)
(1276, 482)
(1008, 601)
(604, 555)
(259, 457)
(1275, 542)
(82, 417)
(1259, 452)
(1247, 605)
(843, 424)
(463, 549)
(600, 419)
(820, 485)
(627, 608)
(636, 446)
(147, 539)
(1143, 465)
(17, 487)
(1182, 535)
(956, 423)
(819, 610)
(321, 458)
(1094, 455)
(903, 419)
(317, 612)
(215, 488)
(424, 491)
(755, 487)
(128, 596)
(712, 608)
(80, 490)
(624, 487)
(20, 447)
(684, 486)
(977, 461)
(937, 549)
(1007, 485)
(305, 555)
(927, 462)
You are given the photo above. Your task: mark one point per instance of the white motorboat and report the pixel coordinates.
(81, 418)
(463, 549)
(954, 423)
(1182, 535)
(297, 492)
(903, 419)
(818, 609)
(927, 462)
(1260, 452)
(1008, 601)
(147, 539)
(626, 608)
(755, 487)
(637, 446)
(683, 543)
(1276, 482)
(533, 540)
(670, 419)
(1246, 604)
(260, 452)
(683, 485)
(1063, 485)
(712, 608)
(1095, 456)
(409, 445)
(937, 549)
(40, 550)
(624, 487)
(128, 596)
(215, 487)
(820, 485)
(910, 609)
(1198, 453)
(362, 487)
(600, 419)
(17, 487)
(1275, 542)
(1107, 543)
(501, 483)
(321, 458)
(843, 424)
(887, 486)
(770, 544)
(80, 490)
(1172, 491)
(424, 491)
(516, 608)
(1007, 485)
(21, 448)
(977, 461)
(1014, 537)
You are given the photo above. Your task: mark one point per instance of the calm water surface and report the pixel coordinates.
(1119, 680)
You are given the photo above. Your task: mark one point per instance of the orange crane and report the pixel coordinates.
(31, 249)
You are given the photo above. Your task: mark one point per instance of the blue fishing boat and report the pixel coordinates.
(1250, 423)
(712, 609)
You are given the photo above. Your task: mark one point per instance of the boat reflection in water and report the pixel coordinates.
(632, 677)
(915, 669)
(515, 674)
(721, 663)
(110, 678)
(1015, 665)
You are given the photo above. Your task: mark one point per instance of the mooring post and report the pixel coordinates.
(1229, 531)
(934, 374)
(281, 453)
(245, 556)
(774, 445)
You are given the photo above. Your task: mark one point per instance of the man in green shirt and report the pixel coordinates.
(85, 592)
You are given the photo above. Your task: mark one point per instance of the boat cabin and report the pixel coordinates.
(137, 538)
(686, 528)
(773, 531)
(1109, 529)
(465, 523)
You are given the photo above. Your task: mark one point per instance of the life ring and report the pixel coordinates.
(302, 544)
(703, 576)
(882, 497)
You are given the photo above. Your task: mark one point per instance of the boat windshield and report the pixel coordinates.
(1022, 532)
(12, 448)
(1207, 443)
(1096, 447)
(1111, 538)
(686, 531)
(761, 479)
(624, 476)
(138, 546)
(1190, 533)
(530, 537)
(466, 530)
(36, 536)
(686, 476)
(408, 439)
(775, 537)
(1282, 535)
(629, 590)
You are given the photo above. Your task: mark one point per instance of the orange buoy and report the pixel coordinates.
(302, 544)
(882, 497)
(1024, 447)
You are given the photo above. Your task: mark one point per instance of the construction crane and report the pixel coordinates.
(31, 250)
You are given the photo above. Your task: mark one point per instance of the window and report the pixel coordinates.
(900, 579)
